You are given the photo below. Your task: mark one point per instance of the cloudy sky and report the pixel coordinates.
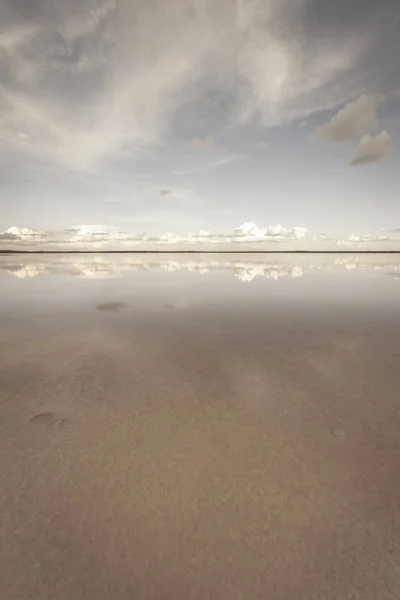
(181, 115)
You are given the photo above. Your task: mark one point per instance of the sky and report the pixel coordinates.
(147, 116)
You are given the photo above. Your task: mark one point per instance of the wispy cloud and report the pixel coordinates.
(209, 166)
(120, 92)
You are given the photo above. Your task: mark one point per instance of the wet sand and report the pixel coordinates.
(218, 452)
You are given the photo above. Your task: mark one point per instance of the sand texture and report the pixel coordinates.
(219, 452)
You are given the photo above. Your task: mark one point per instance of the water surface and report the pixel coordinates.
(212, 427)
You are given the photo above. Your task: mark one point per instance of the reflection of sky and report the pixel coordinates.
(244, 266)
(291, 284)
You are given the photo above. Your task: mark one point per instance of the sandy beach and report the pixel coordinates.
(173, 436)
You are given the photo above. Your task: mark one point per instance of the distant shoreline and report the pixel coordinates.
(46, 252)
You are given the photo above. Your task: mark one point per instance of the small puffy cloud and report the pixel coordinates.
(250, 230)
(20, 233)
(6, 235)
(372, 148)
(355, 119)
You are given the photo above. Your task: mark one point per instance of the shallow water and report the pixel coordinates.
(202, 427)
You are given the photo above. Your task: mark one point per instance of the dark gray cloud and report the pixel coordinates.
(323, 17)
(377, 21)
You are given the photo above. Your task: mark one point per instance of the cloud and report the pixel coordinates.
(251, 231)
(247, 237)
(8, 236)
(355, 119)
(99, 236)
(372, 148)
(91, 230)
(82, 84)
(165, 192)
(13, 39)
(205, 143)
(78, 26)
(209, 166)
(20, 233)
(225, 160)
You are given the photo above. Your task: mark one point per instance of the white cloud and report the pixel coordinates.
(245, 237)
(372, 148)
(355, 119)
(250, 230)
(263, 239)
(103, 236)
(6, 235)
(124, 92)
(22, 232)
(93, 229)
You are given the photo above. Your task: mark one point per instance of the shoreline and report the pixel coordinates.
(8, 252)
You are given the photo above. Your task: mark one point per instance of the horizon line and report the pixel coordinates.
(11, 252)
